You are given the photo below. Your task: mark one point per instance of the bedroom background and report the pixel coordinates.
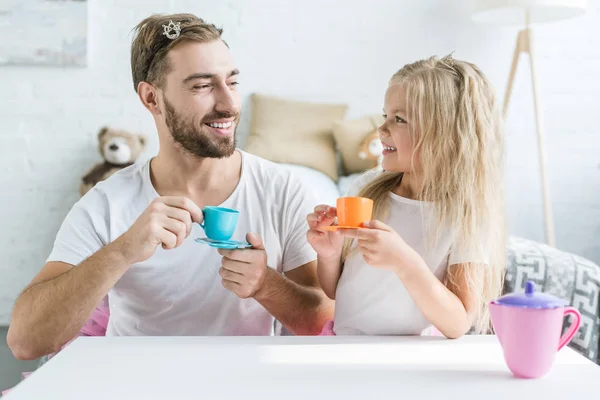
(300, 58)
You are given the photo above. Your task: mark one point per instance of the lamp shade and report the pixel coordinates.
(512, 12)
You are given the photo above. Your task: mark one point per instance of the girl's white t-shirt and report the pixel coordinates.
(179, 291)
(372, 301)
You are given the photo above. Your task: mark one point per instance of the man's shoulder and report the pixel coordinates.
(127, 178)
(120, 186)
(264, 170)
(275, 180)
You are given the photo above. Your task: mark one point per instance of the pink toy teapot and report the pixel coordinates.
(528, 327)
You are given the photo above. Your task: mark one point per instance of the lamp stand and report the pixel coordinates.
(525, 45)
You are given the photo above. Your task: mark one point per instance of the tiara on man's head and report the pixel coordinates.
(448, 59)
(172, 30)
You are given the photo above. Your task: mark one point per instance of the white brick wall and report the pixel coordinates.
(315, 50)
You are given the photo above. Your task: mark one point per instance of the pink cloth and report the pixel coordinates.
(327, 329)
(431, 331)
(96, 325)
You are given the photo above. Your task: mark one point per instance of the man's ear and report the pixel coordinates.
(148, 95)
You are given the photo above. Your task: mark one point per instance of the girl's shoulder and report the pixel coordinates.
(362, 179)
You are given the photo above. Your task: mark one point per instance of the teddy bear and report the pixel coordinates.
(119, 149)
(371, 148)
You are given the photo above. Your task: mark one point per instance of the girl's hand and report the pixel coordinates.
(382, 247)
(327, 244)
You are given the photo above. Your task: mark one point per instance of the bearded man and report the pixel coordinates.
(131, 237)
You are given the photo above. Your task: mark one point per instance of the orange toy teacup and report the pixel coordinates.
(354, 211)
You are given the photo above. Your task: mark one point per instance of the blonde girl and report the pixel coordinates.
(433, 255)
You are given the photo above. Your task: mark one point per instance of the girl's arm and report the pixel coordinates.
(328, 246)
(328, 272)
(452, 308)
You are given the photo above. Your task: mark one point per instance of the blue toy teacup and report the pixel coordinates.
(219, 222)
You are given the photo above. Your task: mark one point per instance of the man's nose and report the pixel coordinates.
(227, 102)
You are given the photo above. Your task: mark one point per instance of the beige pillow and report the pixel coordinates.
(349, 134)
(295, 132)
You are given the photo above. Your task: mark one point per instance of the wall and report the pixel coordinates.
(314, 50)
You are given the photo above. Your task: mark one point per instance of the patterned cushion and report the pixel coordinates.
(563, 275)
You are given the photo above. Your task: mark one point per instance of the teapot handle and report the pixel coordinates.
(568, 335)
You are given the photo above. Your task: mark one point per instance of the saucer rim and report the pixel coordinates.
(222, 242)
(336, 227)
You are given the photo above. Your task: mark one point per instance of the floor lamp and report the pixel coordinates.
(524, 13)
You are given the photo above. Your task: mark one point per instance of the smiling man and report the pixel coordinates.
(132, 236)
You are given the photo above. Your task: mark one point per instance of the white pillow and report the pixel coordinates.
(345, 182)
(323, 187)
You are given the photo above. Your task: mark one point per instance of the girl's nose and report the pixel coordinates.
(383, 131)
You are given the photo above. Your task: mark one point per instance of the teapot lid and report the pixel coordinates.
(531, 299)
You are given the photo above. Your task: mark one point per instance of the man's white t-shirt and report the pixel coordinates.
(179, 291)
(373, 301)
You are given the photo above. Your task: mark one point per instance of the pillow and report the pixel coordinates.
(345, 183)
(295, 132)
(324, 189)
(349, 135)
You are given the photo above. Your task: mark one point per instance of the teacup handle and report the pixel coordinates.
(203, 218)
(568, 335)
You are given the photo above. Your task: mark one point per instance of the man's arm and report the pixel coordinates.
(58, 302)
(296, 300)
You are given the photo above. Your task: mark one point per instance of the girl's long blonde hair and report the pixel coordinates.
(456, 131)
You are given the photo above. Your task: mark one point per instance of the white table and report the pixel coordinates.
(305, 368)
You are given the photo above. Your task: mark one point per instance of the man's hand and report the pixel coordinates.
(167, 221)
(244, 271)
(294, 299)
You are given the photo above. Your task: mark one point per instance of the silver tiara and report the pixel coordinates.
(448, 59)
(172, 30)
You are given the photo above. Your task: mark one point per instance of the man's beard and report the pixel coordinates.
(192, 137)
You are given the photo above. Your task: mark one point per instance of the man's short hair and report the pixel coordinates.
(150, 46)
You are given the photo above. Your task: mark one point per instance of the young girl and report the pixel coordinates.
(434, 252)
